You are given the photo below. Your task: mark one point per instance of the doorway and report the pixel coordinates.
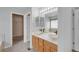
(17, 28)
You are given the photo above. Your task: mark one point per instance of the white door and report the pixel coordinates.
(76, 30)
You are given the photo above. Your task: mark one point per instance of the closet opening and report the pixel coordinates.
(17, 28)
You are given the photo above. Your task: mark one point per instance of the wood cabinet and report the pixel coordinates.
(42, 45)
(35, 41)
(53, 47)
(49, 47)
(46, 46)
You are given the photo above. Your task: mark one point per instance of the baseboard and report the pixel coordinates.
(73, 50)
(25, 41)
(7, 46)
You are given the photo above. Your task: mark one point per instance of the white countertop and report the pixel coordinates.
(51, 37)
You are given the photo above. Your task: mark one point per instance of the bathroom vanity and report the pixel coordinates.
(44, 43)
(44, 35)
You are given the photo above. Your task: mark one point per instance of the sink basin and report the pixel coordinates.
(53, 36)
(41, 33)
(50, 35)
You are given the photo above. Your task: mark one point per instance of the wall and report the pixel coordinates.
(28, 27)
(5, 15)
(35, 13)
(76, 29)
(65, 29)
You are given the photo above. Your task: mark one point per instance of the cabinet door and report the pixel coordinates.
(53, 47)
(37, 40)
(46, 49)
(40, 49)
(47, 46)
(41, 45)
(33, 42)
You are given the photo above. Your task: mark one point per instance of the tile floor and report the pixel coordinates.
(19, 47)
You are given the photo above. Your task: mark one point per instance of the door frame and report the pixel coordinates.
(30, 28)
(75, 45)
(12, 25)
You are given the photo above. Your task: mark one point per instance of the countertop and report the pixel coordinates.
(51, 37)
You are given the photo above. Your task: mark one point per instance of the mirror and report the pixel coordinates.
(51, 22)
(47, 21)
